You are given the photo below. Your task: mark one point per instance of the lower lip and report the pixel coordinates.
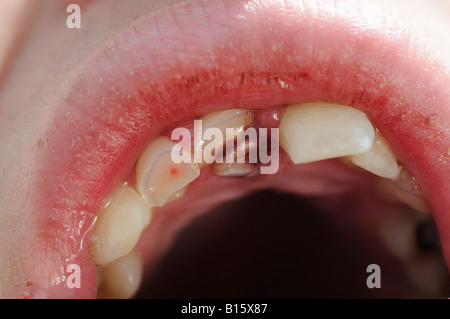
(194, 59)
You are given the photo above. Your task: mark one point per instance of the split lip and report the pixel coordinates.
(161, 70)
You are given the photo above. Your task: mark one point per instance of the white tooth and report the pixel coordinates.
(236, 119)
(233, 169)
(121, 278)
(119, 225)
(317, 131)
(379, 160)
(158, 177)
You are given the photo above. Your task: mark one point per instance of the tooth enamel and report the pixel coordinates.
(119, 225)
(317, 131)
(233, 169)
(121, 278)
(233, 119)
(379, 160)
(158, 177)
(242, 148)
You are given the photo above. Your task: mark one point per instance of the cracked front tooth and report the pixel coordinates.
(379, 160)
(121, 278)
(119, 225)
(317, 131)
(236, 119)
(158, 177)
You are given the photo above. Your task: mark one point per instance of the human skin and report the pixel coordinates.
(42, 65)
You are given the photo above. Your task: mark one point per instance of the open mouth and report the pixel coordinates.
(373, 93)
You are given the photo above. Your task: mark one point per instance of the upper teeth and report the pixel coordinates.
(119, 225)
(232, 119)
(121, 278)
(158, 177)
(379, 160)
(317, 131)
(309, 132)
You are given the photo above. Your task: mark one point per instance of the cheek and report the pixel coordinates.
(15, 17)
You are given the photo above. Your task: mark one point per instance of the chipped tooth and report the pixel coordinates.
(121, 278)
(234, 164)
(158, 177)
(379, 160)
(236, 119)
(317, 131)
(119, 225)
(243, 147)
(222, 120)
(233, 169)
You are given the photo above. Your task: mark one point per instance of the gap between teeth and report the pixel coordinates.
(308, 132)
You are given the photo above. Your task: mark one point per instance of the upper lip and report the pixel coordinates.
(184, 62)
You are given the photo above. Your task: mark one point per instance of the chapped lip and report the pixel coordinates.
(194, 58)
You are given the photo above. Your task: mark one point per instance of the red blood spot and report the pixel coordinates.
(173, 171)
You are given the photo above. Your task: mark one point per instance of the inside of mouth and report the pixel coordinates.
(273, 245)
(310, 230)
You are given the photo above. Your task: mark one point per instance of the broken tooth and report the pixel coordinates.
(317, 131)
(121, 278)
(158, 177)
(119, 225)
(235, 120)
(379, 160)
